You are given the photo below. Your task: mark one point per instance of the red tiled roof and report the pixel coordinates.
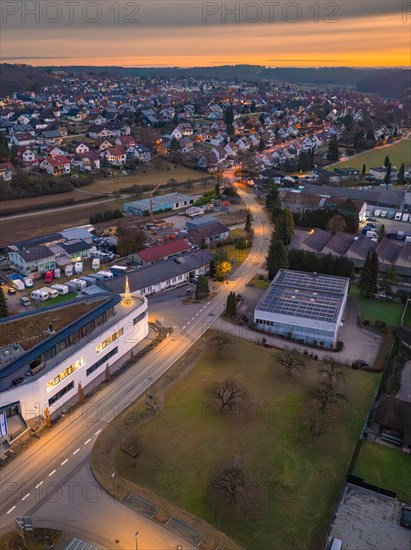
(58, 161)
(155, 253)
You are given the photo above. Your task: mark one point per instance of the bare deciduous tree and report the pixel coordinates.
(290, 361)
(326, 394)
(227, 393)
(222, 343)
(332, 370)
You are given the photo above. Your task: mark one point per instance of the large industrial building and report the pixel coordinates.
(45, 355)
(161, 203)
(306, 307)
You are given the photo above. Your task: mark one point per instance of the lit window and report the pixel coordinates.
(109, 340)
(66, 372)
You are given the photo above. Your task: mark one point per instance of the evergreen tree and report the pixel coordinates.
(390, 278)
(386, 161)
(333, 154)
(369, 276)
(4, 310)
(283, 230)
(381, 233)
(277, 257)
(107, 373)
(217, 191)
(273, 201)
(202, 291)
(363, 171)
(387, 177)
(303, 162)
(80, 393)
(211, 271)
(289, 222)
(248, 223)
(231, 305)
(228, 117)
(401, 174)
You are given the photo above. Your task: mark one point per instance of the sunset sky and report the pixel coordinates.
(194, 33)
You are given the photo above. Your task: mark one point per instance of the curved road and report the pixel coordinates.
(52, 482)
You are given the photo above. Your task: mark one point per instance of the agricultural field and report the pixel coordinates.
(160, 171)
(292, 480)
(398, 152)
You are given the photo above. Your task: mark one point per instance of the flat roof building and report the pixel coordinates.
(45, 355)
(161, 203)
(306, 307)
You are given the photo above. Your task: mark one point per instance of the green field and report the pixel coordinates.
(293, 481)
(385, 467)
(378, 310)
(398, 152)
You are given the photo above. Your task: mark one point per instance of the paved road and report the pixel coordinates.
(59, 459)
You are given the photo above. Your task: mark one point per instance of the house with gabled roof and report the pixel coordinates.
(56, 166)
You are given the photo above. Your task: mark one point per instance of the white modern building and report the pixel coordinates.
(306, 307)
(45, 355)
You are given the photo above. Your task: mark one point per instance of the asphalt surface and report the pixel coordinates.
(51, 481)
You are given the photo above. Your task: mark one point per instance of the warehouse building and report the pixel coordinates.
(45, 355)
(161, 203)
(306, 307)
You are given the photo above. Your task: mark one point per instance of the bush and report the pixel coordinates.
(339, 346)
(366, 322)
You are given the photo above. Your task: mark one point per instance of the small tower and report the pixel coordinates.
(127, 299)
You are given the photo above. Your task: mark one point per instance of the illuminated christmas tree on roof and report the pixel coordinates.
(127, 299)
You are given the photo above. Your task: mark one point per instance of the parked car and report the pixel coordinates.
(11, 290)
(25, 301)
(405, 520)
(371, 220)
(359, 364)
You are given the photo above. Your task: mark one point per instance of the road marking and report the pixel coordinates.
(75, 452)
(38, 484)
(24, 498)
(97, 432)
(51, 473)
(197, 314)
(184, 327)
(88, 441)
(64, 461)
(188, 323)
(11, 509)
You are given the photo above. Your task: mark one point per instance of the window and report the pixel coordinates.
(139, 317)
(101, 361)
(66, 372)
(60, 393)
(109, 340)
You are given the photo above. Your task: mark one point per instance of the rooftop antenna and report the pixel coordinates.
(127, 299)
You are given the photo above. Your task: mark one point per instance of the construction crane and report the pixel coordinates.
(151, 200)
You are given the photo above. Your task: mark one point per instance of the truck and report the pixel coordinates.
(68, 271)
(95, 264)
(78, 268)
(48, 276)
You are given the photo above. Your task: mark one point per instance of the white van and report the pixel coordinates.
(39, 295)
(336, 544)
(398, 216)
(383, 213)
(61, 289)
(106, 274)
(377, 213)
(405, 217)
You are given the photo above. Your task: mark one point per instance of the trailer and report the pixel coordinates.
(80, 284)
(28, 282)
(69, 269)
(88, 280)
(19, 285)
(118, 269)
(52, 292)
(106, 275)
(78, 268)
(95, 264)
(62, 290)
(98, 277)
(39, 295)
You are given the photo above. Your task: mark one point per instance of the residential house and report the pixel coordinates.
(161, 252)
(6, 171)
(209, 234)
(56, 166)
(22, 138)
(86, 161)
(116, 156)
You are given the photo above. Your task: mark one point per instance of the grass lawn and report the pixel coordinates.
(407, 316)
(386, 468)
(160, 171)
(381, 310)
(293, 482)
(398, 152)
